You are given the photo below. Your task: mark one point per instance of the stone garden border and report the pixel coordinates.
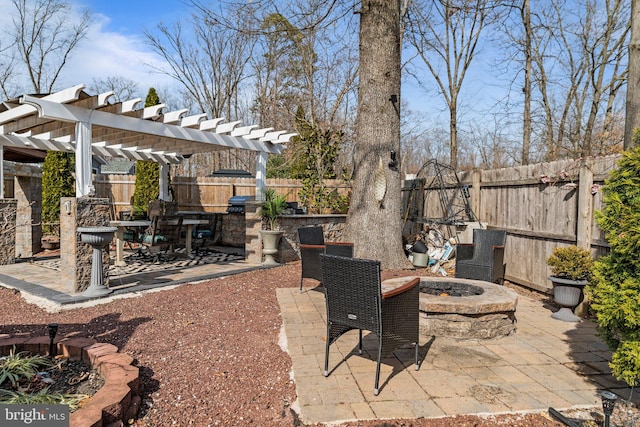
(119, 398)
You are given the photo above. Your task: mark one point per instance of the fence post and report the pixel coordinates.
(475, 193)
(585, 206)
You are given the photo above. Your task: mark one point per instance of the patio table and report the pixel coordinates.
(122, 225)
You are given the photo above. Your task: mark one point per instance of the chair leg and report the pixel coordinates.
(301, 279)
(326, 354)
(360, 341)
(417, 362)
(376, 389)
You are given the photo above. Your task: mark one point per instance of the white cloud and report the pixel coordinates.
(104, 54)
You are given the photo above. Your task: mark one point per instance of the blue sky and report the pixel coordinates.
(132, 16)
(116, 46)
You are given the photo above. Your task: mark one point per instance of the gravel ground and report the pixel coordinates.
(208, 352)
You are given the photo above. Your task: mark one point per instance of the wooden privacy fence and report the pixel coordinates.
(210, 194)
(540, 206)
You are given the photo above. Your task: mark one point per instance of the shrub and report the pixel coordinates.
(57, 182)
(615, 289)
(571, 262)
(147, 184)
(272, 207)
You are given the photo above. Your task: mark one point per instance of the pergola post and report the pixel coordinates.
(261, 175)
(164, 182)
(84, 184)
(1, 171)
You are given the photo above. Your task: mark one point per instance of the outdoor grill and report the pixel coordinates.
(237, 204)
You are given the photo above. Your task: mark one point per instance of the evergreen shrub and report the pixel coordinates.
(615, 289)
(57, 182)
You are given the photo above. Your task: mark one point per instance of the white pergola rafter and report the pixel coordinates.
(73, 121)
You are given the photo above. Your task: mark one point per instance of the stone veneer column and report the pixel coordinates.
(253, 223)
(8, 208)
(28, 193)
(75, 256)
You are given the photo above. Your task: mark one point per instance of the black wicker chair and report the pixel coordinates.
(484, 258)
(354, 300)
(312, 244)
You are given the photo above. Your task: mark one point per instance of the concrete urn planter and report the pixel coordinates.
(567, 293)
(98, 238)
(270, 242)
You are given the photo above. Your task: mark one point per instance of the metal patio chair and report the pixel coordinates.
(204, 234)
(312, 244)
(354, 300)
(484, 258)
(131, 235)
(162, 235)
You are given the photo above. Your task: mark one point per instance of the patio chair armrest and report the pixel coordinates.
(498, 254)
(402, 288)
(339, 243)
(319, 247)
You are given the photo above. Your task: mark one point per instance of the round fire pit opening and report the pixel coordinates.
(450, 289)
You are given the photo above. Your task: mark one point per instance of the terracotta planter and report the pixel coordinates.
(50, 243)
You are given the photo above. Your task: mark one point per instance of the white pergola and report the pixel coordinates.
(73, 121)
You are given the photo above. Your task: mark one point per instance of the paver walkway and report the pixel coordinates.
(546, 363)
(41, 282)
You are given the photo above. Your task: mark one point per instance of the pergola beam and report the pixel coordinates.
(70, 113)
(72, 121)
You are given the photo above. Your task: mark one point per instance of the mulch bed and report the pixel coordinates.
(208, 352)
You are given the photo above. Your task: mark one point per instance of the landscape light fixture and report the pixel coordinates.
(53, 330)
(608, 403)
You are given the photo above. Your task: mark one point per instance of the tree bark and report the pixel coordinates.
(632, 120)
(375, 226)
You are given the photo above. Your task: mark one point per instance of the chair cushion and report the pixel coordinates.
(158, 239)
(128, 236)
(201, 234)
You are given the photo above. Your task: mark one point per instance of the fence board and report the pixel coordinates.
(210, 194)
(537, 215)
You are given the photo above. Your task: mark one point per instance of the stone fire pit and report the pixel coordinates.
(482, 310)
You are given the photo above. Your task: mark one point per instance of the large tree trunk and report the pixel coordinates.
(633, 84)
(375, 226)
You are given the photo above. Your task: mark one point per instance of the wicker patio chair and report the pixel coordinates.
(354, 300)
(312, 244)
(162, 234)
(484, 258)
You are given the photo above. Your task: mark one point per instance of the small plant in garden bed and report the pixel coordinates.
(34, 379)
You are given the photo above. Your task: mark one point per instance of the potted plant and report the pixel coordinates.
(272, 207)
(571, 270)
